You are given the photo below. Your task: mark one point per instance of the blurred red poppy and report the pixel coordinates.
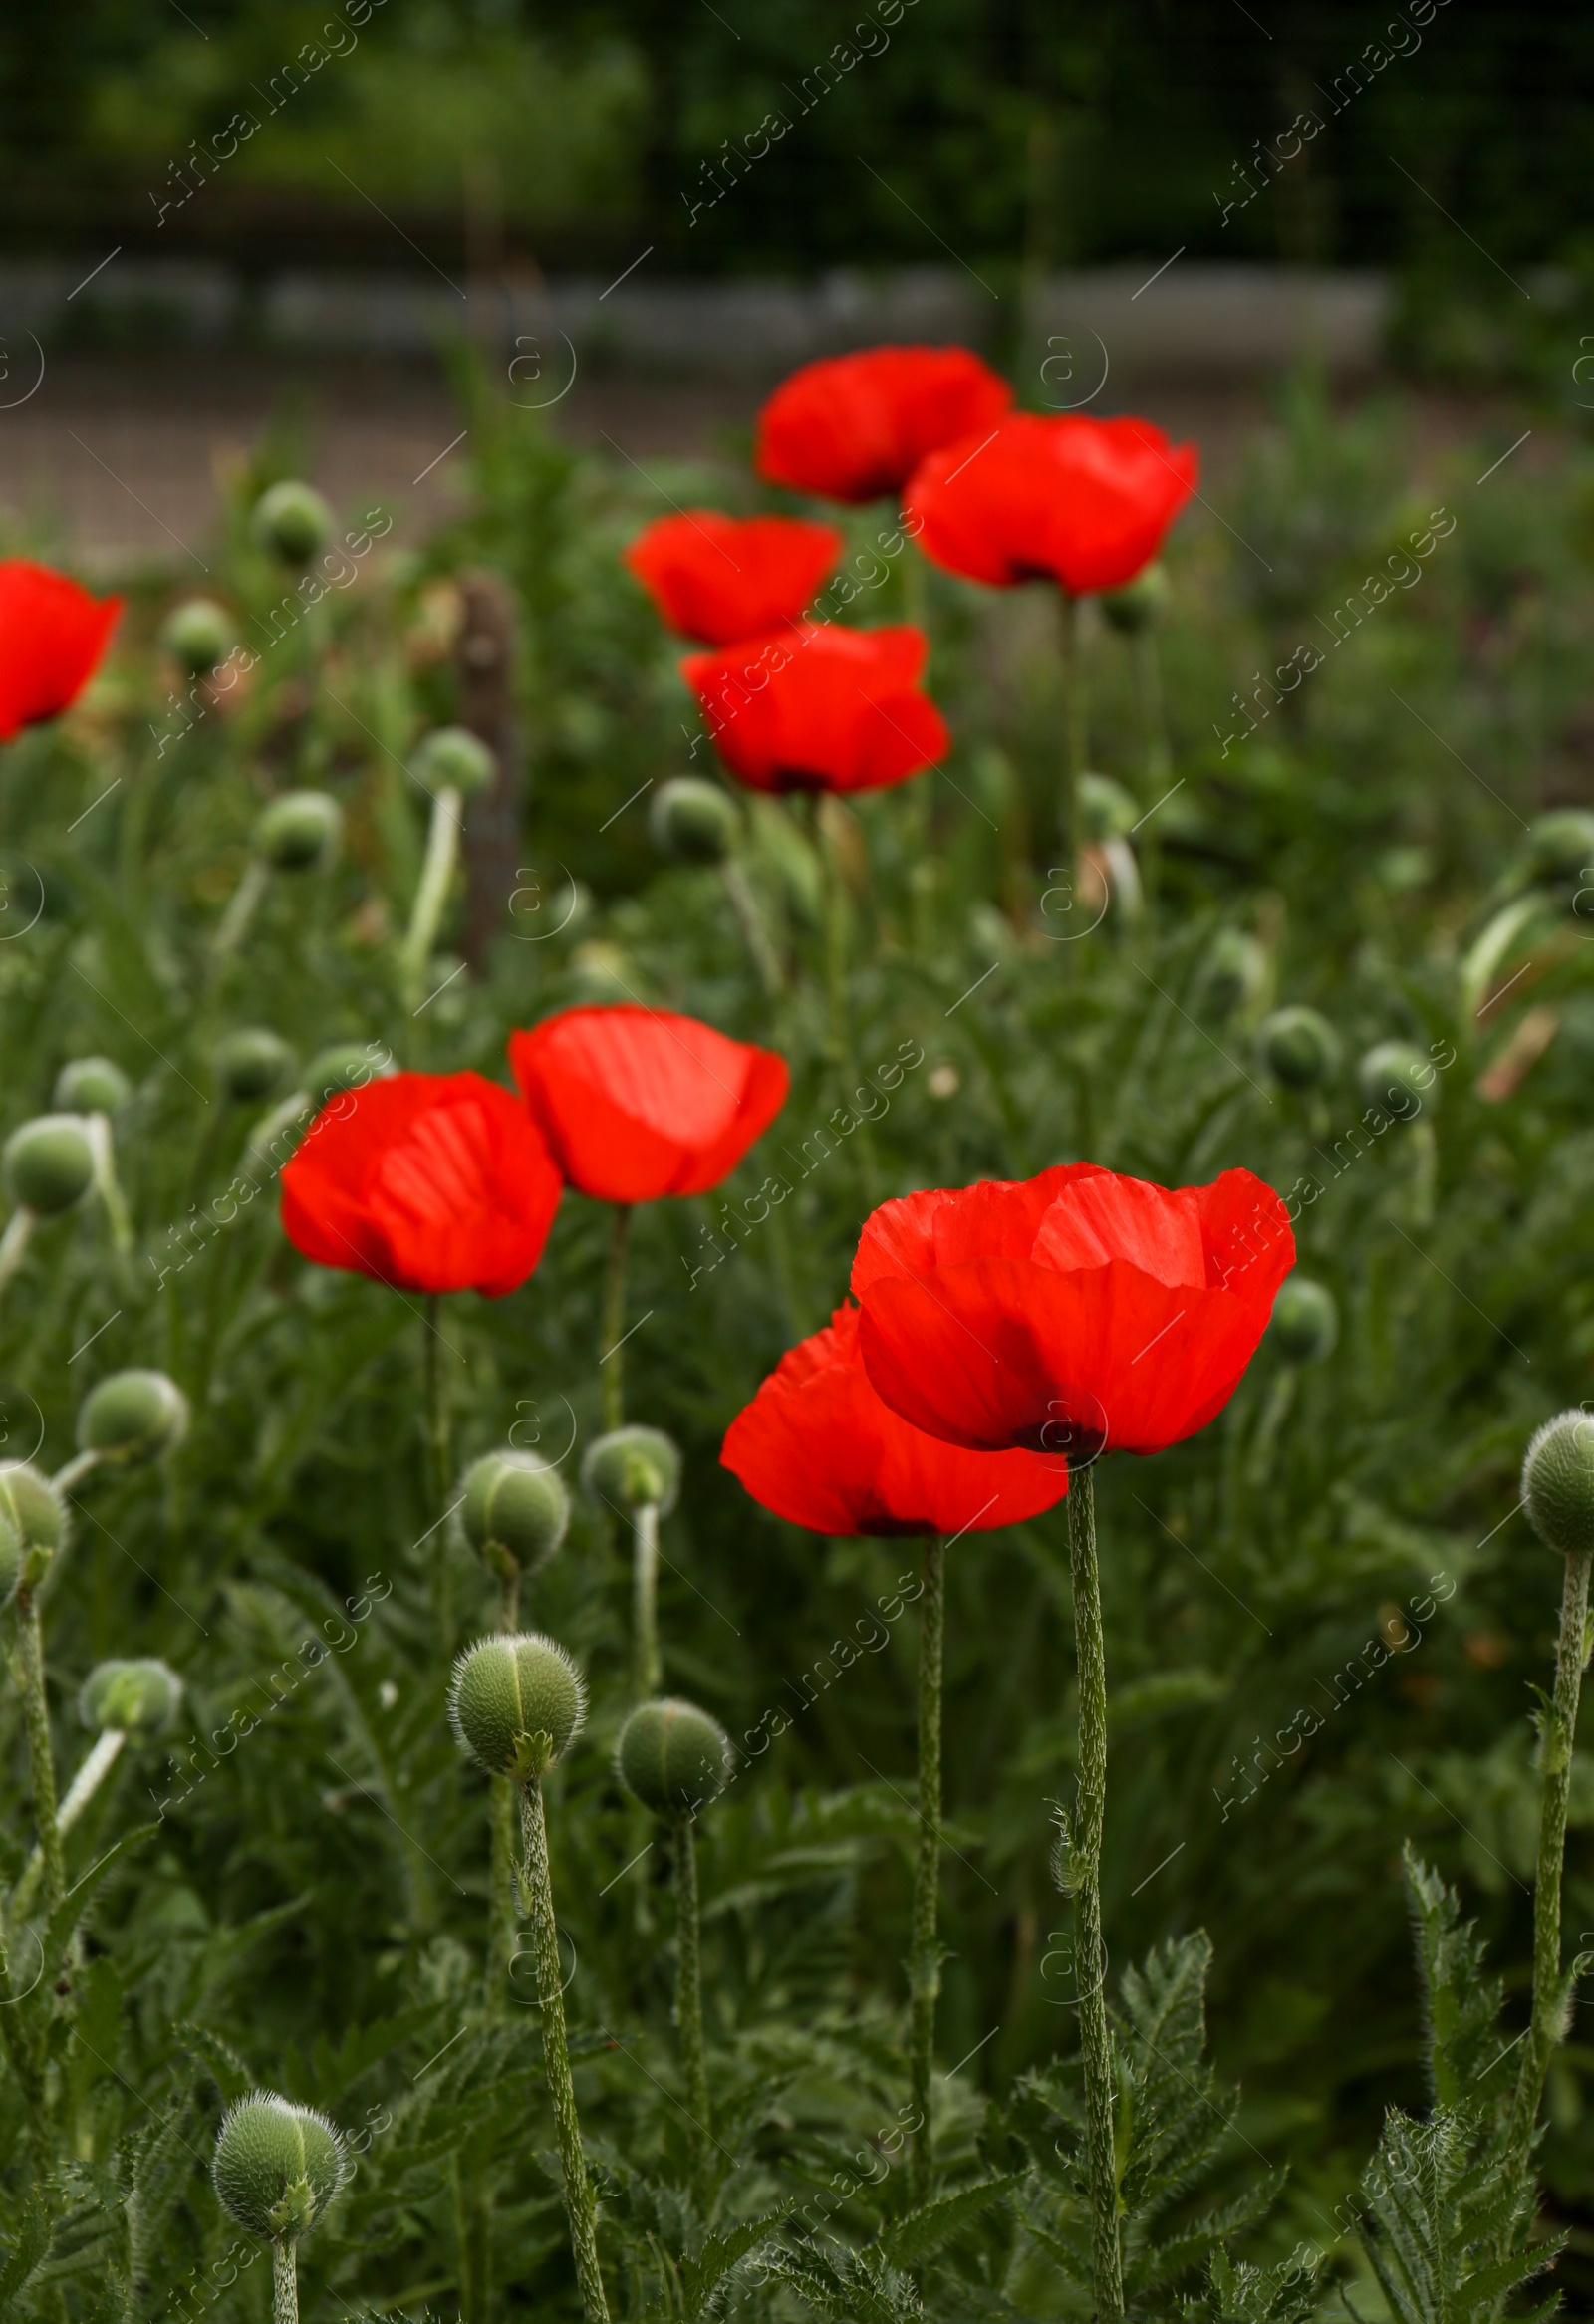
(1083, 502)
(636, 1102)
(51, 637)
(1076, 1313)
(857, 426)
(720, 578)
(817, 1445)
(429, 1182)
(821, 709)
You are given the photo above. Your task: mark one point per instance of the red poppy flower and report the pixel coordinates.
(857, 426)
(1077, 1312)
(720, 578)
(820, 709)
(51, 637)
(1083, 502)
(429, 1182)
(817, 1445)
(636, 1103)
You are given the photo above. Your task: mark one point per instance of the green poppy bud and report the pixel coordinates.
(251, 1064)
(11, 1556)
(515, 1510)
(133, 1416)
(1399, 1078)
(1139, 603)
(632, 1469)
(674, 1757)
(291, 522)
(299, 832)
(34, 1510)
(49, 1163)
(277, 2167)
(1560, 846)
(1298, 1047)
(453, 759)
(1305, 1320)
(1558, 1484)
(198, 636)
(1233, 973)
(92, 1084)
(346, 1067)
(139, 1697)
(694, 820)
(1106, 808)
(516, 1704)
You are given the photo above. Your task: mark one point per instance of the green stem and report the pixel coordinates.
(436, 1405)
(501, 1926)
(443, 845)
(1096, 2041)
(284, 2282)
(924, 1962)
(1076, 722)
(14, 1244)
(580, 2208)
(646, 1666)
(40, 1757)
(750, 920)
(838, 1031)
(610, 1360)
(80, 1792)
(1159, 751)
(689, 2010)
(108, 1184)
(235, 923)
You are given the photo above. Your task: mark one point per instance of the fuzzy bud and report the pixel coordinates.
(1398, 1077)
(1560, 845)
(140, 1697)
(453, 759)
(300, 832)
(694, 820)
(292, 522)
(133, 1416)
(515, 1511)
(348, 1066)
(632, 1469)
(1558, 1484)
(36, 1516)
(1233, 971)
(92, 1084)
(11, 1556)
(516, 1704)
(198, 636)
(1139, 603)
(1106, 809)
(277, 2167)
(674, 1757)
(251, 1064)
(1305, 1320)
(49, 1163)
(1299, 1047)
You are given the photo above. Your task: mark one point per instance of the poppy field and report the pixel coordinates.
(794, 1327)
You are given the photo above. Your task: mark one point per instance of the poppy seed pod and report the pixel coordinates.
(49, 1163)
(1559, 846)
(1139, 603)
(674, 1757)
(1398, 1077)
(632, 1469)
(133, 1416)
(251, 1064)
(198, 636)
(1233, 971)
(1305, 1320)
(33, 1508)
(515, 1508)
(516, 1704)
(694, 820)
(299, 832)
(92, 1084)
(277, 2167)
(1299, 1047)
(292, 522)
(1106, 807)
(138, 1698)
(453, 759)
(1558, 1484)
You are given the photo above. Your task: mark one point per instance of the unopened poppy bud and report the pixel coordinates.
(11, 1556)
(673, 1756)
(453, 759)
(1305, 1320)
(1560, 845)
(694, 821)
(277, 2167)
(92, 1084)
(1558, 1484)
(1106, 808)
(133, 1416)
(291, 521)
(35, 1511)
(1398, 1077)
(251, 1064)
(138, 1698)
(299, 832)
(348, 1065)
(516, 1704)
(49, 1163)
(198, 636)
(1298, 1047)
(515, 1510)
(1139, 603)
(632, 1469)
(1234, 969)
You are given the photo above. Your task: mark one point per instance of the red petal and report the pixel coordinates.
(53, 635)
(718, 579)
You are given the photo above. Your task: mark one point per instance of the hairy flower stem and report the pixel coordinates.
(284, 2282)
(504, 1920)
(647, 1666)
(611, 1360)
(234, 924)
(580, 2208)
(81, 1790)
(689, 2010)
(1548, 2024)
(924, 1962)
(1089, 1970)
(760, 950)
(443, 843)
(41, 1759)
(1076, 721)
(14, 1244)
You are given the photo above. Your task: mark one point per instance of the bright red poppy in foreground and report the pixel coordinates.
(636, 1102)
(720, 578)
(1083, 502)
(821, 709)
(817, 1445)
(1077, 1312)
(52, 638)
(857, 426)
(429, 1182)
